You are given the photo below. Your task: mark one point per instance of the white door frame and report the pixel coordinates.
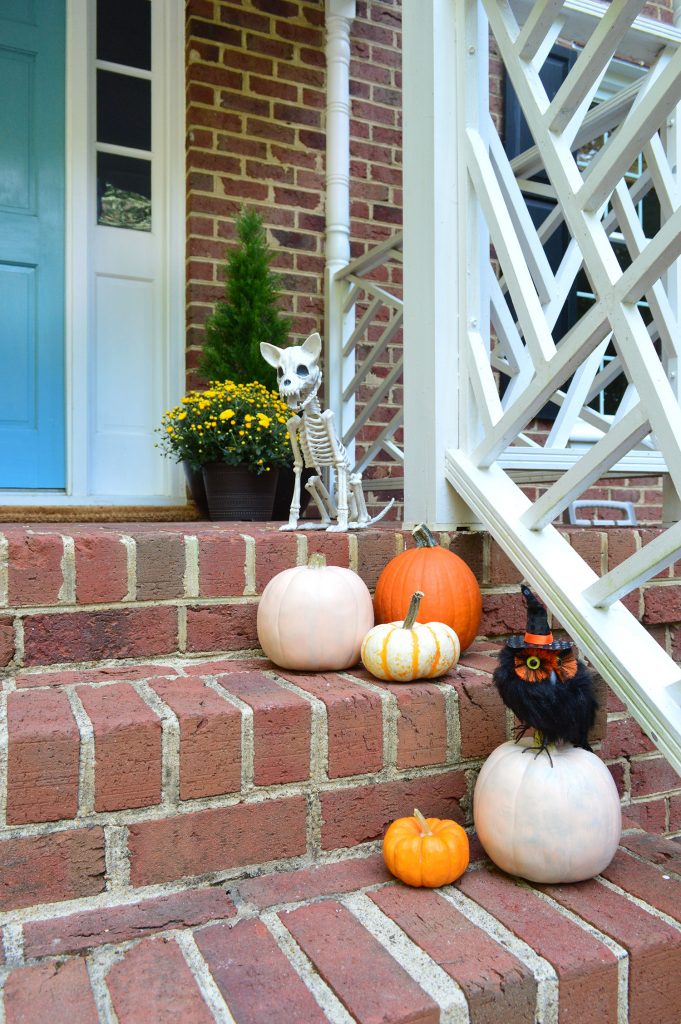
(80, 206)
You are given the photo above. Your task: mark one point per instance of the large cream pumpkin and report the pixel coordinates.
(556, 820)
(314, 617)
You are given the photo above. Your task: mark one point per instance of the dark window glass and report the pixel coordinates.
(651, 214)
(123, 192)
(123, 110)
(124, 32)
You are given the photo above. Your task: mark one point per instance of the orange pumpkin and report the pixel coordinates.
(452, 591)
(426, 851)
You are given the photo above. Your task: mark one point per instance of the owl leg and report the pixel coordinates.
(520, 731)
(539, 745)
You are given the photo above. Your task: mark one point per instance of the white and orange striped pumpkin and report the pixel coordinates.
(402, 651)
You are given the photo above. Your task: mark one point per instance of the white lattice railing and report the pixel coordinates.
(369, 301)
(491, 328)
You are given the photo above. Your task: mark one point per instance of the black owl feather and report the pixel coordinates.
(544, 684)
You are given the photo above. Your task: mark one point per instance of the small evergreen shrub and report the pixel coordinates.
(248, 314)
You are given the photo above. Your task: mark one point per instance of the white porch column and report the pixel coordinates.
(441, 283)
(338, 325)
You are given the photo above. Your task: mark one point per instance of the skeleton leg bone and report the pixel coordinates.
(294, 511)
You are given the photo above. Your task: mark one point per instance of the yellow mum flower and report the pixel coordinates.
(227, 414)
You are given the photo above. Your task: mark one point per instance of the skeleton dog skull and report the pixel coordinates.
(298, 370)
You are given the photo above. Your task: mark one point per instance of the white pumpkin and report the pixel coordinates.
(552, 821)
(402, 651)
(314, 617)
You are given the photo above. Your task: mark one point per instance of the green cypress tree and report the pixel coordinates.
(248, 314)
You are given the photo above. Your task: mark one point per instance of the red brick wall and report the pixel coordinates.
(256, 89)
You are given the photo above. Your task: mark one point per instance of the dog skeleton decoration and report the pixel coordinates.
(315, 443)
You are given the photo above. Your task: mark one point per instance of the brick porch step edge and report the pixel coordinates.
(72, 593)
(343, 941)
(143, 774)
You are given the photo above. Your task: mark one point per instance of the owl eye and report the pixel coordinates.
(533, 662)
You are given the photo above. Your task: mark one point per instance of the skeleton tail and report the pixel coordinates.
(381, 513)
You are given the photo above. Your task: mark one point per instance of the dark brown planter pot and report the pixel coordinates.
(237, 493)
(196, 488)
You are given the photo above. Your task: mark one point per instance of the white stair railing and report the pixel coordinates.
(496, 328)
(366, 297)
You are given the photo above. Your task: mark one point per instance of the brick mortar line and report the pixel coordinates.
(247, 734)
(619, 951)
(98, 964)
(642, 904)
(13, 943)
(258, 795)
(425, 971)
(129, 896)
(116, 857)
(23, 612)
(87, 754)
(4, 571)
(635, 855)
(203, 977)
(4, 761)
(170, 743)
(191, 579)
(19, 638)
(319, 727)
(389, 718)
(108, 899)
(250, 588)
(182, 630)
(250, 910)
(67, 591)
(173, 660)
(452, 723)
(302, 549)
(131, 567)
(543, 972)
(306, 971)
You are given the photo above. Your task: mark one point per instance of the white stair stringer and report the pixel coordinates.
(640, 672)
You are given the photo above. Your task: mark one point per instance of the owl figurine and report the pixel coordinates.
(544, 684)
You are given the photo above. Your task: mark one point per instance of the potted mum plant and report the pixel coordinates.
(237, 434)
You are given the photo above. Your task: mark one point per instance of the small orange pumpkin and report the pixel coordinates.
(426, 851)
(452, 591)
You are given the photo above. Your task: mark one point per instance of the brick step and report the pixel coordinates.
(340, 940)
(149, 773)
(74, 593)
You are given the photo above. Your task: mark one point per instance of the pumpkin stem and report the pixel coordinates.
(316, 561)
(413, 611)
(423, 537)
(422, 822)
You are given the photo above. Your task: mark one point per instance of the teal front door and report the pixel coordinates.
(32, 64)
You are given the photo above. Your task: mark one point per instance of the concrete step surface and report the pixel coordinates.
(340, 940)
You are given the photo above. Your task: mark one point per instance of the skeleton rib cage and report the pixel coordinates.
(315, 442)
